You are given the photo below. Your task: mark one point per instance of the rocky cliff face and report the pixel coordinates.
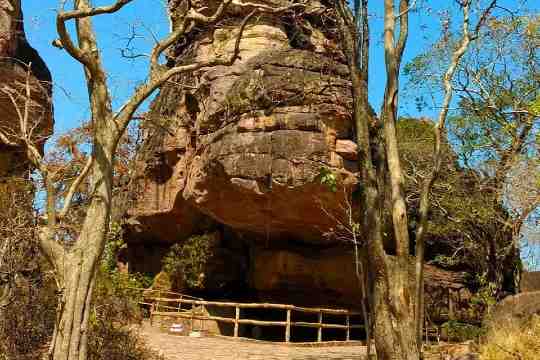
(19, 61)
(242, 155)
(247, 142)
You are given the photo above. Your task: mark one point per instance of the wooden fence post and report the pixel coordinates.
(236, 318)
(203, 314)
(426, 329)
(450, 305)
(288, 327)
(319, 332)
(348, 331)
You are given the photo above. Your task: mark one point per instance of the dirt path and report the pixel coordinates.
(221, 348)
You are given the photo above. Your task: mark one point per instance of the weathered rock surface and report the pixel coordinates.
(16, 55)
(248, 143)
(242, 154)
(520, 306)
(323, 277)
(530, 281)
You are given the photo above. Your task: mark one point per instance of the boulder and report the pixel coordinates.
(245, 144)
(530, 281)
(243, 150)
(521, 306)
(21, 65)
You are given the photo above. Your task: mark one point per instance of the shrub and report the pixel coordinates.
(115, 314)
(187, 262)
(459, 331)
(27, 321)
(27, 289)
(512, 339)
(114, 318)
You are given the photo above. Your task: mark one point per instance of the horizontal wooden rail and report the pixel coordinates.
(258, 306)
(163, 292)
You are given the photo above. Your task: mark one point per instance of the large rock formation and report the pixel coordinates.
(20, 65)
(248, 142)
(242, 153)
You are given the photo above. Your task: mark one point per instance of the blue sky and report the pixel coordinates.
(70, 96)
(150, 16)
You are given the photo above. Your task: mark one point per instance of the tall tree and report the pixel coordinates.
(75, 261)
(495, 129)
(397, 322)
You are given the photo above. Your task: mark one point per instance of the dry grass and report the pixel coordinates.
(512, 339)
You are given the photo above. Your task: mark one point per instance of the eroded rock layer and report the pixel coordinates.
(247, 142)
(242, 150)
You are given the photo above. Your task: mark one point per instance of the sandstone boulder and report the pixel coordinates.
(520, 306)
(246, 144)
(530, 281)
(19, 61)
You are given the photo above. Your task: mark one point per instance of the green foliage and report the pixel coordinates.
(497, 78)
(328, 178)
(111, 277)
(463, 220)
(115, 243)
(535, 106)
(115, 310)
(459, 331)
(187, 262)
(485, 297)
(116, 291)
(420, 129)
(444, 260)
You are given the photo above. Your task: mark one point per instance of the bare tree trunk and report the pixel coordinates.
(80, 262)
(393, 321)
(70, 339)
(437, 160)
(394, 324)
(393, 55)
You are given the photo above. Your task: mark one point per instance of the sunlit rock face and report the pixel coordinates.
(246, 143)
(20, 66)
(239, 150)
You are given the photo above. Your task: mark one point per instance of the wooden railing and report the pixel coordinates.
(162, 306)
(147, 296)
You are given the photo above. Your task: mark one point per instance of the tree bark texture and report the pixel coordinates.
(79, 265)
(393, 319)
